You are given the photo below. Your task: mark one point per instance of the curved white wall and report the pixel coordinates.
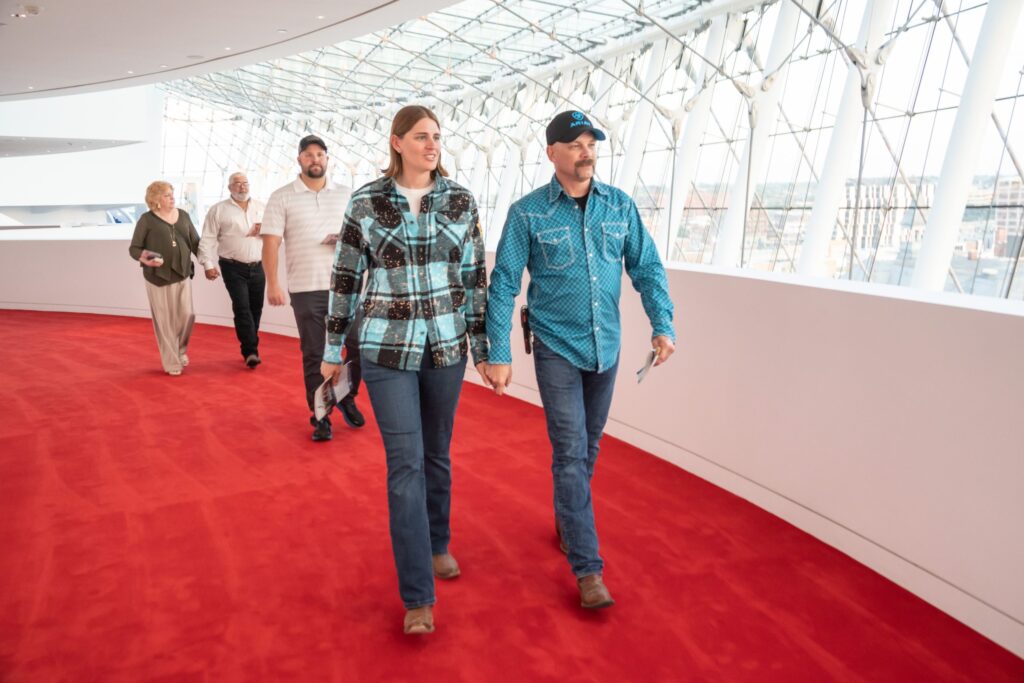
(881, 420)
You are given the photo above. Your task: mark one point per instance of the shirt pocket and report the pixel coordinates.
(451, 235)
(556, 248)
(388, 247)
(613, 235)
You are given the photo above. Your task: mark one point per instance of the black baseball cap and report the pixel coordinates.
(312, 140)
(569, 125)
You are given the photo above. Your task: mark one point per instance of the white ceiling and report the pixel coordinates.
(83, 45)
(19, 146)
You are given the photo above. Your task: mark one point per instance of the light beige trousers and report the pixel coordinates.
(171, 306)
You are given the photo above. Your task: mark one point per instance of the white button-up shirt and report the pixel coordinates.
(226, 233)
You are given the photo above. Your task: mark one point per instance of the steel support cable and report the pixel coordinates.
(455, 130)
(554, 37)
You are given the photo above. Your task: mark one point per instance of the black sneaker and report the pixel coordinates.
(349, 411)
(252, 360)
(321, 429)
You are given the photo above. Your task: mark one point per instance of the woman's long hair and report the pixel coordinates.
(404, 120)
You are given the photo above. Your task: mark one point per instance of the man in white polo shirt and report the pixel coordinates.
(231, 240)
(307, 214)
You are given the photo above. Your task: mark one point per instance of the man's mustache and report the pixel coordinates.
(584, 162)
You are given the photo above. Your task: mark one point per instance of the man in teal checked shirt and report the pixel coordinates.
(573, 236)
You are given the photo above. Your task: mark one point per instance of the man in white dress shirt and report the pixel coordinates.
(231, 240)
(307, 215)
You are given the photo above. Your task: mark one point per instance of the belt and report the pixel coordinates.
(241, 263)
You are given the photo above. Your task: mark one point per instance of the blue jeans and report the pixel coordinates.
(576, 404)
(415, 411)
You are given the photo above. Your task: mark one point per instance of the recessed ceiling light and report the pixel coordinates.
(195, 57)
(320, 16)
(31, 87)
(163, 66)
(130, 71)
(227, 49)
(280, 30)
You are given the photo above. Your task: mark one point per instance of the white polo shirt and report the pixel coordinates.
(303, 218)
(226, 233)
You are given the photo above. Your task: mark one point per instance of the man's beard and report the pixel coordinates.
(580, 165)
(240, 197)
(315, 174)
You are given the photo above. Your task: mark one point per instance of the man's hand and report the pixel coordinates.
(212, 273)
(275, 295)
(665, 348)
(254, 231)
(481, 368)
(500, 377)
(331, 371)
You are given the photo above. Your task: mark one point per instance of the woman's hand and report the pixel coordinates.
(499, 376)
(481, 368)
(150, 259)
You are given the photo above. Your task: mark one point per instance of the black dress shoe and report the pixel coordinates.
(351, 413)
(252, 360)
(321, 429)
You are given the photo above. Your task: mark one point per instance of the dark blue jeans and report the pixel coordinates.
(576, 404)
(246, 284)
(415, 411)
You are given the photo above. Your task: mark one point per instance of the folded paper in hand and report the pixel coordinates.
(328, 394)
(331, 238)
(642, 372)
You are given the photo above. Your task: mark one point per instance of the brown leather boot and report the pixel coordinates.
(445, 566)
(419, 621)
(593, 593)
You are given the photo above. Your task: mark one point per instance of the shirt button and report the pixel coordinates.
(595, 304)
(594, 278)
(597, 329)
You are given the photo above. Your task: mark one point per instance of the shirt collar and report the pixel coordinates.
(555, 188)
(389, 185)
(300, 186)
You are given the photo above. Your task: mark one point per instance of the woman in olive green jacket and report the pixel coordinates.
(164, 242)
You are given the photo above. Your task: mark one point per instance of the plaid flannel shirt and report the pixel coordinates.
(426, 277)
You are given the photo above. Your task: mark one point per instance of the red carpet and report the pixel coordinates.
(180, 529)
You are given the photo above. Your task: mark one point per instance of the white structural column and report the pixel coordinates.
(842, 146)
(729, 245)
(478, 181)
(507, 185)
(993, 46)
(632, 155)
(685, 163)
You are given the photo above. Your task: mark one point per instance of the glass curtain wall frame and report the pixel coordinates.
(496, 72)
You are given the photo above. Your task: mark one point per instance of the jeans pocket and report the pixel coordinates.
(613, 235)
(556, 246)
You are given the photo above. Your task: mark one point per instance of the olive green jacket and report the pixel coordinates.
(176, 243)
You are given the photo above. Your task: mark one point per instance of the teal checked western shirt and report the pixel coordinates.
(575, 259)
